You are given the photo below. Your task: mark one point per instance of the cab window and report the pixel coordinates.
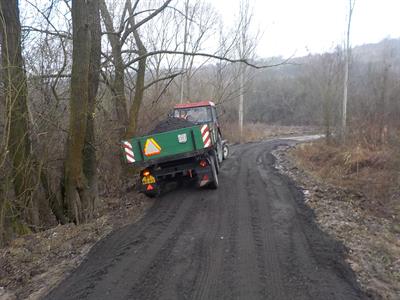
(201, 114)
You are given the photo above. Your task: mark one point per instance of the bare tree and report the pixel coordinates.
(140, 76)
(118, 39)
(80, 167)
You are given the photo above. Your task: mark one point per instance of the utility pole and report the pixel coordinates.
(241, 100)
(184, 50)
(346, 73)
(242, 49)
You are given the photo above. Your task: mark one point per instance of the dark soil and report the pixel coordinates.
(253, 238)
(171, 124)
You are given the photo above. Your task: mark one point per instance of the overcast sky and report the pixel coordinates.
(303, 26)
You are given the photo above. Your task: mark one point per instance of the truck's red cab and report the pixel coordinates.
(197, 112)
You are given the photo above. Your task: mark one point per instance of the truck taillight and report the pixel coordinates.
(203, 163)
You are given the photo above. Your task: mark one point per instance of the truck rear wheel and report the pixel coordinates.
(214, 181)
(225, 151)
(151, 194)
(220, 151)
(214, 155)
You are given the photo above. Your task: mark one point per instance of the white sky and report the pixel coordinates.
(304, 26)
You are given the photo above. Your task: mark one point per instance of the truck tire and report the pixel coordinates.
(214, 182)
(220, 149)
(225, 151)
(151, 194)
(154, 193)
(217, 164)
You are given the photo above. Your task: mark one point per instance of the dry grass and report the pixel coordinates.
(374, 172)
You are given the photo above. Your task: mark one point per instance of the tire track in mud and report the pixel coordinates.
(230, 273)
(266, 250)
(121, 250)
(210, 246)
(148, 286)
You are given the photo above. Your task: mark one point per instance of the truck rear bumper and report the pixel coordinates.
(189, 172)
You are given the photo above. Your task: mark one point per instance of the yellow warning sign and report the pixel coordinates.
(151, 147)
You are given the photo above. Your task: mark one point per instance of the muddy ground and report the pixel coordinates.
(253, 238)
(373, 242)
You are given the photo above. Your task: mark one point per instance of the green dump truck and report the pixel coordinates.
(193, 152)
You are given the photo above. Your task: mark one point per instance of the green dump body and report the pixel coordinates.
(174, 144)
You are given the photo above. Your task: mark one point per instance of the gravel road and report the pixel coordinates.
(253, 238)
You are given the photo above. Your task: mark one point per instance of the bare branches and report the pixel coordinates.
(214, 56)
(152, 15)
(171, 76)
(60, 34)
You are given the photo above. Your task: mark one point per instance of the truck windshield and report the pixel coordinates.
(194, 114)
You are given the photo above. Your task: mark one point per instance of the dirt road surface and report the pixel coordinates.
(253, 238)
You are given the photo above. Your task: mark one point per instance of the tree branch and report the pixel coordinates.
(231, 60)
(60, 34)
(171, 76)
(152, 15)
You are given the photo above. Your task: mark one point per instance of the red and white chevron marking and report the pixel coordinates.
(130, 157)
(205, 134)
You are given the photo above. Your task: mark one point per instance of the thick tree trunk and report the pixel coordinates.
(76, 183)
(54, 201)
(89, 153)
(15, 96)
(80, 180)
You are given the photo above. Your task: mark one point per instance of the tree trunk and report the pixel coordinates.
(15, 95)
(140, 77)
(76, 183)
(381, 109)
(118, 83)
(327, 116)
(89, 151)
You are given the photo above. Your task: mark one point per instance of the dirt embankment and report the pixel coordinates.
(353, 213)
(33, 264)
